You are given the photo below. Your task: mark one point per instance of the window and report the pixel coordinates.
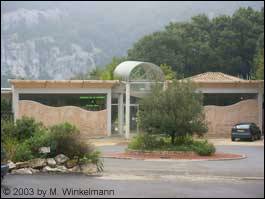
(91, 102)
(226, 99)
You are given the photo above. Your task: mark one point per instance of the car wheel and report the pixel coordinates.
(233, 139)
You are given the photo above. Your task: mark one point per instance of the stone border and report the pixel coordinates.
(172, 156)
(59, 164)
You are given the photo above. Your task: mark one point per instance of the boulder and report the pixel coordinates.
(34, 170)
(11, 165)
(20, 165)
(71, 163)
(44, 150)
(37, 163)
(22, 171)
(61, 169)
(75, 169)
(61, 159)
(51, 162)
(88, 168)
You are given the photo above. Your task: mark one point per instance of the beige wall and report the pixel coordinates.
(90, 123)
(220, 119)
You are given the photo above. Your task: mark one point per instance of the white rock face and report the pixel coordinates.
(27, 52)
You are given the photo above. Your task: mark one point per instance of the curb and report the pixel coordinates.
(184, 160)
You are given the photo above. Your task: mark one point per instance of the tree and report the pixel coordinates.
(259, 65)
(168, 72)
(226, 44)
(107, 72)
(176, 111)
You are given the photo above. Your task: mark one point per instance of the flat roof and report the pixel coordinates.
(63, 83)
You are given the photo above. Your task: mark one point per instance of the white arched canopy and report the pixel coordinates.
(131, 71)
(138, 77)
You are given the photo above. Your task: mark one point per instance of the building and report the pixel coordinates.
(106, 107)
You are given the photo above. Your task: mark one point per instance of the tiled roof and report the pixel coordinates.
(214, 76)
(63, 83)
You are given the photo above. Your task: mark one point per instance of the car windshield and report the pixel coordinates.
(243, 126)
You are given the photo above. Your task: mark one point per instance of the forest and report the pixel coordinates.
(230, 44)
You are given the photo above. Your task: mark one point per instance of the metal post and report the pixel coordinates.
(127, 111)
(109, 113)
(120, 113)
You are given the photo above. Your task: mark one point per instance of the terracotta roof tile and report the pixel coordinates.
(214, 76)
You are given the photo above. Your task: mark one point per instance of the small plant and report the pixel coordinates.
(38, 140)
(93, 158)
(10, 145)
(146, 142)
(64, 139)
(7, 129)
(26, 127)
(6, 105)
(203, 148)
(23, 153)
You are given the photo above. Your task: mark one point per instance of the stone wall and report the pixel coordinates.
(220, 119)
(90, 123)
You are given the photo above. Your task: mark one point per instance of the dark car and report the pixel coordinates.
(4, 167)
(248, 131)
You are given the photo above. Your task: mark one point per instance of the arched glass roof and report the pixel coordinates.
(138, 71)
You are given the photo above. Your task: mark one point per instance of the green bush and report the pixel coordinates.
(10, 145)
(64, 139)
(184, 140)
(23, 153)
(92, 157)
(23, 140)
(6, 105)
(203, 148)
(146, 142)
(183, 143)
(38, 140)
(7, 129)
(26, 127)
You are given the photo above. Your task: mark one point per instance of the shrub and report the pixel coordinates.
(183, 143)
(10, 145)
(7, 130)
(146, 142)
(23, 153)
(64, 139)
(38, 140)
(23, 140)
(26, 127)
(6, 105)
(93, 158)
(184, 140)
(203, 148)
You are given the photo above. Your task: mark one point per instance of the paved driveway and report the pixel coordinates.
(138, 178)
(128, 188)
(252, 166)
